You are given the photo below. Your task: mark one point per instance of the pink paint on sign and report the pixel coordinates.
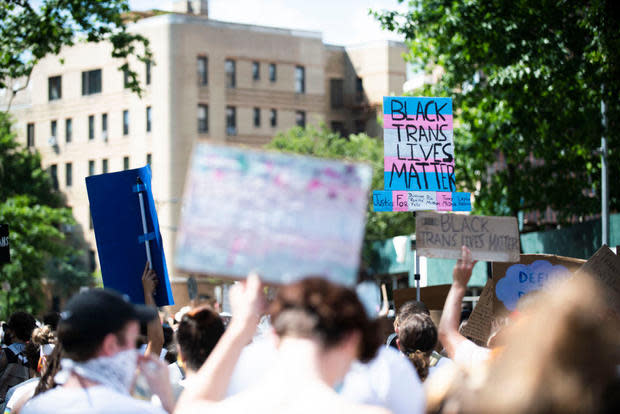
(394, 161)
(314, 184)
(399, 200)
(388, 123)
(444, 201)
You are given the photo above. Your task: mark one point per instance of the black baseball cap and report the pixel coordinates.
(90, 315)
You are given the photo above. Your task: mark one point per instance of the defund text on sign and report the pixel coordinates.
(418, 144)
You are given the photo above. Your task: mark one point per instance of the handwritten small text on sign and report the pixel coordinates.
(488, 238)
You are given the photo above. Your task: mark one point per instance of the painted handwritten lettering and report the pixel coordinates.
(488, 238)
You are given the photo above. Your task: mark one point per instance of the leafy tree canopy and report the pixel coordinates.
(36, 219)
(527, 78)
(31, 30)
(324, 143)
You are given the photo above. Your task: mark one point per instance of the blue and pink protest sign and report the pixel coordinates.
(419, 157)
(283, 216)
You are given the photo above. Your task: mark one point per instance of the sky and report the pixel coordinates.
(342, 22)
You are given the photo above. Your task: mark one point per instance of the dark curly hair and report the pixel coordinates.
(417, 337)
(21, 325)
(199, 331)
(317, 308)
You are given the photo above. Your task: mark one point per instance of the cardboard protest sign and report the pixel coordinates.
(531, 273)
(488, 238)
(604, 266)
(478, 326)
(283, 216)
(418, 154)
(434, 297)
(5, 251)
(117, 221)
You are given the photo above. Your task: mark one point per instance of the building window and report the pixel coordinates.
(359, 126)
(338, 127)
(91, 255)
(336, 93)
(272, 72)
(54, 129)
(104, 126)
(54, 175)
(68, 174)
(91, 82)
(148, 119)
(231, 76)
(126, 78)
(54, 88)
(91, 127)
(231, 120)
(149, 159)
(300, 118)
(273, 118)
(125, 163)
(255, 71)
(125, 122)
(104, 166)
(203, 118)
(68, 130)
(91, 167)
(148, 72)
(359, 90)
(300, 79)
(202, 67)
(257, 117)
(30, 135)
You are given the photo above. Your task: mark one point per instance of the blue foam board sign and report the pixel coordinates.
(117, 221)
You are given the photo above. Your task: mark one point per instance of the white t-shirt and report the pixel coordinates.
(470, 355)
(389, 381)
(281, 392)
(94, 400)
(256, 359)
(441, 364)
(16, 393)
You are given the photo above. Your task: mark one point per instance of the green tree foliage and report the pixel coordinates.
(526, 77)
(360, 147)
(36, 219)
(31, 30)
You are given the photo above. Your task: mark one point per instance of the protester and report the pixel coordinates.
(154, 329)
(320, 327)
(98, 331)
(14, 363)
(43, 341)
(458, 348)
(417, 335)
(387, 381)
(51, 318)
(199, 331)
(559, 356)
(417, 338)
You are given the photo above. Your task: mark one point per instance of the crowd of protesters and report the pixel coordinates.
(322, 353)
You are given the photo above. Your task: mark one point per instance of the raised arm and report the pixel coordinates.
(211, 381)
(154, 329)
(450, 318)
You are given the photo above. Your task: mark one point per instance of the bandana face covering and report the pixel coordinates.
(116, 371)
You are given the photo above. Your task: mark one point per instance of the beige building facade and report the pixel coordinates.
(215, 81)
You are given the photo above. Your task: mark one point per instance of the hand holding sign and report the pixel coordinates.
(149, 281)
(463, 267)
